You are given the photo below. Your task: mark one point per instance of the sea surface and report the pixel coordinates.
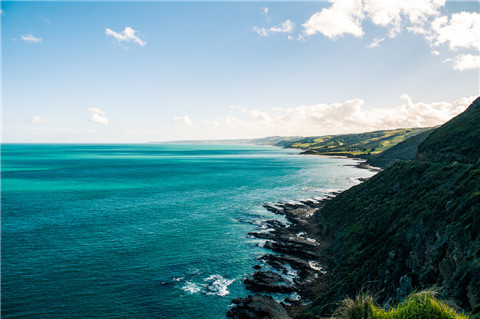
(143, 231)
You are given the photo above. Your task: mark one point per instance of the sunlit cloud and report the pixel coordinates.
(392, 14)
(461, 31)
(343, 17)
(347, 117)
(466, 62)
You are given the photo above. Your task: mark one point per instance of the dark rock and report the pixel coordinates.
(257, 306)
(268, 281)
(257, 267)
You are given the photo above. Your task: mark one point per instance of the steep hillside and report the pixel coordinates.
(405, 151)
(359, 145)
(457, 140)
(414, 225)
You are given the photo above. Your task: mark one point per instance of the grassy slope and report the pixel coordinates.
(354, 144)
(457, 140)
(414, 225)
(405, 151)
(422, 304)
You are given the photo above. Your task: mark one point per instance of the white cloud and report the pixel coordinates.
(284, 27)
(466, 62)
(264, 10)
(343, 17)
(98, 116)
(127, 35)
(95, 110)
(38, 119)
(259, 115)
(182, 121)
(461, 31)
(375, 42)
(29, 38)
(435, 52)
(390, 13)
(347, 117)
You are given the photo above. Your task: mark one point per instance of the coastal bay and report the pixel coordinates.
(144, 230)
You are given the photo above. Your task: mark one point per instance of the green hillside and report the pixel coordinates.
(404, 151)
(413, 226)
(457, 140)
(360, 145)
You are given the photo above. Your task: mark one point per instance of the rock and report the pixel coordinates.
(257, 306)
(257, 267)
(268, 281)
(447, 268)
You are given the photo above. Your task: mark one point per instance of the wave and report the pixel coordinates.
(191, 287)
(213, 285)
(217, 285)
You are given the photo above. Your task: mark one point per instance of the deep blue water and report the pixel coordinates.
(142, 231)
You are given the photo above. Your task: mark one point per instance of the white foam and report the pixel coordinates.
(295, 296)
(217, 285)
(178, 279)
(316, 266)
(191, 287)
(214, 285)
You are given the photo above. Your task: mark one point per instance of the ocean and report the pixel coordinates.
(144, 230)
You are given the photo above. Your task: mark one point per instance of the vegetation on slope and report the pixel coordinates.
(457, 140)
(417, 305)
(412, 226)
(358, 145)
(405, 151)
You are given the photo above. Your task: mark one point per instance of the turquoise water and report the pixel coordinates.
(142, 231)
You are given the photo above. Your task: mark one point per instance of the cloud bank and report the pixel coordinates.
(347, 117)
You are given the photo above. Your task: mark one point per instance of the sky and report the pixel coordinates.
(134, 72)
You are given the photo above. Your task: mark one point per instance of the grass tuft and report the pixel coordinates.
(420, 305)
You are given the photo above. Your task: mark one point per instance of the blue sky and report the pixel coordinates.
(157, 71)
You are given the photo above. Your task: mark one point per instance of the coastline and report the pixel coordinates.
(298, 263)
(296, 270)
(360, 164)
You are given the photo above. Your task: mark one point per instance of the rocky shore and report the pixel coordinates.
(296, 271)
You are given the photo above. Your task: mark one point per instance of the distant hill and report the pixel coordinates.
(271, 141)
(363, 145)
(406, 150)
(412, 226)
(354, 145)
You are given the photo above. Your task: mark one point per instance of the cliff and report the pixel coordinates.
(412, 226)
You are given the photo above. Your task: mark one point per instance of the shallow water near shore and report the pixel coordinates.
(143, 231)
